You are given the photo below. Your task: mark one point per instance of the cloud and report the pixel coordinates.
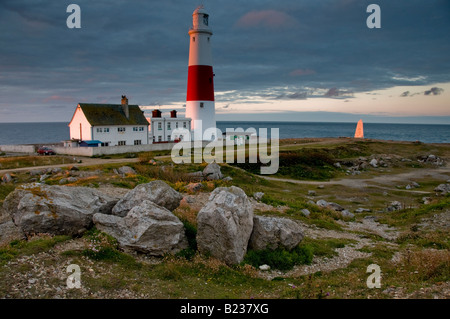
(434, 91)
(302, 72)
(336, 93)
(269, 19)
(292, 96)
(404, 94)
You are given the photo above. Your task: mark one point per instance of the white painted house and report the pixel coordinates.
(109, 125)
(162, 128)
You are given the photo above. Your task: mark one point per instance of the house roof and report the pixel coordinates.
(112, 114)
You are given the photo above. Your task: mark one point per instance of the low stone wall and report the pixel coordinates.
(18, 148)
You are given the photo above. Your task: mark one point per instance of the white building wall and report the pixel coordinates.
(162, 132)
(110, 134)
(80, 128)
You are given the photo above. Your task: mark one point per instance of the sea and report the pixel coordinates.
(55, 132)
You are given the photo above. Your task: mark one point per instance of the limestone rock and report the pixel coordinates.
(126, 170)
(212, 172)
(156, 191)
(57, 210)
(225, 224)
(258, 195)
(273, 232)
(347, 213)
(7, 178)
(305, 212)
(373, 163)
(147, 228)
(322, 203)
(443, 188)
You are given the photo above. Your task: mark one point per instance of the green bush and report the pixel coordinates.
(280, 258)
(191, 234)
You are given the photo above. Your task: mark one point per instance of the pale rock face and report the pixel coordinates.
(273, 232)
(157, 191)
(57, 210)
(212, 171)
(225, 224)
(147, 228)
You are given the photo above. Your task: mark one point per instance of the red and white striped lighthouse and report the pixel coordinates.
(200, 86)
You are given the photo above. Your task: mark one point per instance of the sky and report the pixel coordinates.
(278, 60)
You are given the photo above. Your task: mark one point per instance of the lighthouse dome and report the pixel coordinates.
(200, 10)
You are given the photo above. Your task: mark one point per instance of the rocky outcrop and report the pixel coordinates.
(443, 189)
(57, 210)
(157, 192)
(273, 232)
(212, 172)
(147, 228)
(225, 224)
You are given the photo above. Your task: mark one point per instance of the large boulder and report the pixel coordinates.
(274, 232)
(8, 231)
(157, 191)
(147, 228)
(225, 224)
(57, 210)
(443, 188)
(212, 171)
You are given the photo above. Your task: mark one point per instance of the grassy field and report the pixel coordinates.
(415, 260)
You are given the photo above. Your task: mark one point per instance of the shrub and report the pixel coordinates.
(280, 258)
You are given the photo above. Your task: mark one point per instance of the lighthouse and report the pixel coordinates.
(200, 105)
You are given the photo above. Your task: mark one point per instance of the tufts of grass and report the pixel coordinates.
(280, 258)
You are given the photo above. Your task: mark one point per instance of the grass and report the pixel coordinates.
(31, 161)
(280, 258)
(29, 247)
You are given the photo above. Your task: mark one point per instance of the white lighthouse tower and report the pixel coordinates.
(200, 86)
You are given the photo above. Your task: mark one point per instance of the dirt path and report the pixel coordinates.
(441, 173)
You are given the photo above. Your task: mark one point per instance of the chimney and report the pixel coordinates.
(125, 108)
(173, 114)
(156, 113)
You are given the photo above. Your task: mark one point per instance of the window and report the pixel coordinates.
(106, 130)
(169, 126)
(105, 144)
(99, 130)
(176, 124)
(135, 129)
(141, 129)
(184, 124)
(159, 126)
(121, 143)
(137, 142)
(153, 139)
(202, 104)
(168, 138)
(121, 129)
(159, 138)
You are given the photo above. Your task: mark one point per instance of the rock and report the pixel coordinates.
(156, 191)
(62, 181)
(321, 187)
(258, 195)
(310, 202)
(443, 188)
(56, 170)
(335, 206)
(346, 213)
(395, 205)
(8, 231)
(274, 232)
(72, 179)
(35, 172)
(7, 178)
(305, 212)
(212, 172)
(57, 210)
(363, 210)
(426, 200)
(337, 165)
(322, 203)
(43, 177)
(126, 170)
(227, 179)
(264, 267)
(224, 225)
(194, 187)
(73, 168)
(311, 193)
(363, 159)
(147, 228)
(373, 163)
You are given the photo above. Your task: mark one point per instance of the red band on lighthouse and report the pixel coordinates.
(200, 83)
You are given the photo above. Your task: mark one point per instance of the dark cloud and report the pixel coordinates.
(261, 49)
(336, 93)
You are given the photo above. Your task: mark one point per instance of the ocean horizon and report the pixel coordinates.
(55, 132)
